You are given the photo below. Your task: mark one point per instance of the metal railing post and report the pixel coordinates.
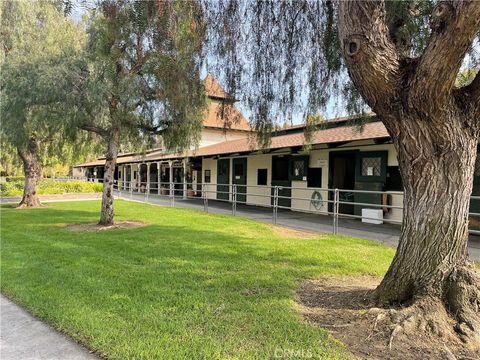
(204, 196)
(234, 199)
(275, 204)
(118, 188)
(336, 198)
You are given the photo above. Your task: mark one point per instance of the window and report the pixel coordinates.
(262, 176)
(299, 168)
(371, 166)
(207, 176)
(314, 178)
(238, 170)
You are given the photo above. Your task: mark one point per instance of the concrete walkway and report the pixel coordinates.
(23, 337)
(387, 234)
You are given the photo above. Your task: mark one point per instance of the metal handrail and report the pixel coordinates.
(208, 191)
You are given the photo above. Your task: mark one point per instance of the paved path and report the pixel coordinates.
(23, 337)
(387, 234)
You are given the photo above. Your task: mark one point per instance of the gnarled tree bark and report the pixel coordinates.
(435, 129)
(33, 173)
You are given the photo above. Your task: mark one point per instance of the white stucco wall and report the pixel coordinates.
(301, 194)
(259, 194)
(210, 164)
(215, 136)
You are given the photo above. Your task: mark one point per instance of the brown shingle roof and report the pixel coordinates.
(373, 130)
(339, 134)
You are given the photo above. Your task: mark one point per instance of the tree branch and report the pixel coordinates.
(95, 129)
(454, 26)
(372, 59)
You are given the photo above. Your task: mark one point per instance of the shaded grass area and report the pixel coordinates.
(188, 285)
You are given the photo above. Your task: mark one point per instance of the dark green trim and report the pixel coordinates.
(383, 170)
(305, 159)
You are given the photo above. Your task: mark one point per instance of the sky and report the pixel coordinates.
(332, 110)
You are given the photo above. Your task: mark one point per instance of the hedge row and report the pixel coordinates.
(48, 187)
(14, 178)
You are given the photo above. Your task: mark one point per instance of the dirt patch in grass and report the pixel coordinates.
(287, 232)
(96, 227)
(342, 305)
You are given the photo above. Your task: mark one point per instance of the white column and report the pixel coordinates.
(124, 175)
(170, 178)
(148, 177)
(185, 178)
(131, 177)
(158, 177)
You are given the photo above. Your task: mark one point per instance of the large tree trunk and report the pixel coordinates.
(436, 160)
(435, 129)
(33, 173)
(107, 212)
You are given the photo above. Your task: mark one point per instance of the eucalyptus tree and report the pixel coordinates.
(141, 79)
(39, 47)
(401, 60)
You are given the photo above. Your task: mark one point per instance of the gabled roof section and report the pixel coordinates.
(226, 116)
(213, 89)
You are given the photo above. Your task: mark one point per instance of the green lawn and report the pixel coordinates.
(189, 285)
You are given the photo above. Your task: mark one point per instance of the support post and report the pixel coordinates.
(234, 199)
(131, 178)
(275, 204)
(124, 175)
(185, 178)
(147, 190)
(158, 177)
(205, 198)
(336, 198)
(171, 186)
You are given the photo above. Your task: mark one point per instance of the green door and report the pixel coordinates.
(223, 179)
(240, 178)
(281, 177)
(370, 175)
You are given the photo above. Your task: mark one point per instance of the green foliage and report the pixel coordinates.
(283, 58)
(141, 72)
(14, 178)
(221, 287)
(466, 76)
(39, 48)
(48, 187)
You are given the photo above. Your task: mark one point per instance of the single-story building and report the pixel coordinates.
(339, 156)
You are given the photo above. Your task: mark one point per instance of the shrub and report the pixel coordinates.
(14, 178)
(49, 187)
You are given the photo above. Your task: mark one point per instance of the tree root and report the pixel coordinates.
(462, 298)
(29, 205)
(453, 319)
